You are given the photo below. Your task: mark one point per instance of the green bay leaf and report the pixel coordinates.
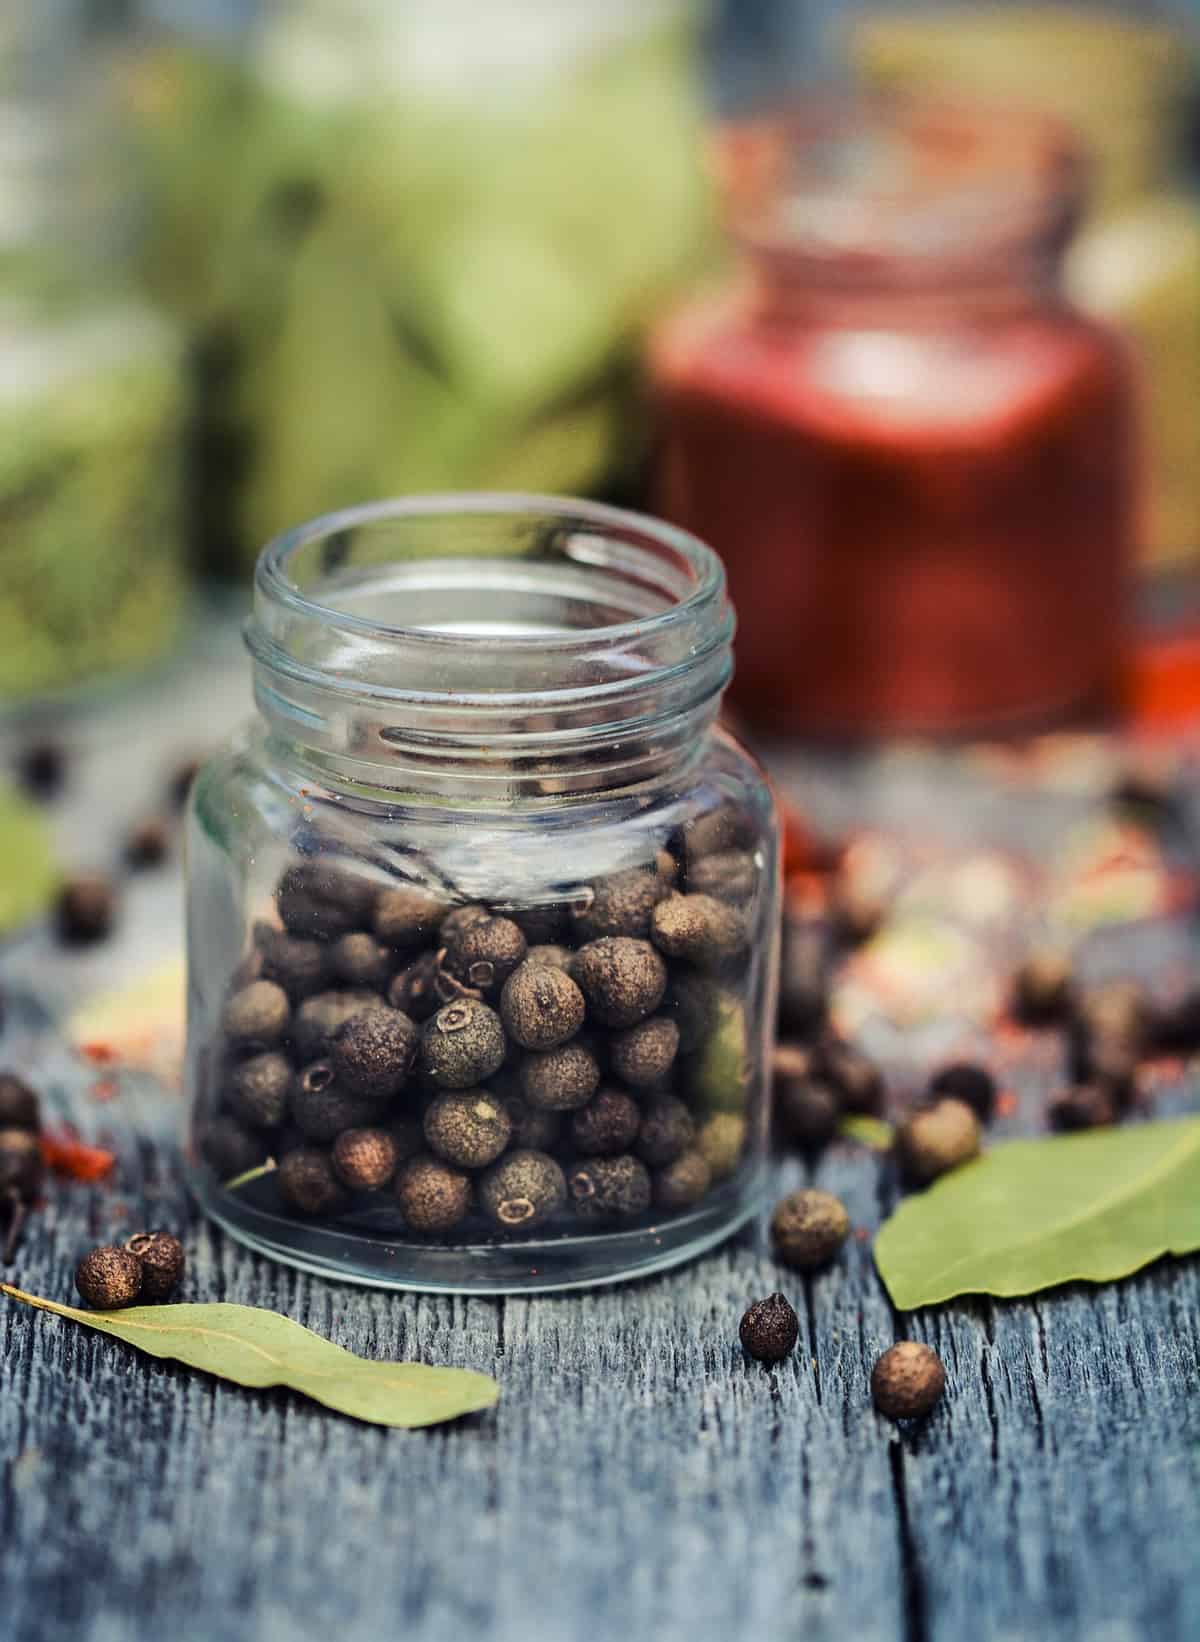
(1035, 1213)
(255, 1347)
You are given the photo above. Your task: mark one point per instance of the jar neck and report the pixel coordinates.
(489, 651)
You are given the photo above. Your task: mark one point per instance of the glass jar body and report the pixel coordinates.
(493, 1013)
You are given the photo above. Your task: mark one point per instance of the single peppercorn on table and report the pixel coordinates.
(640, 1477)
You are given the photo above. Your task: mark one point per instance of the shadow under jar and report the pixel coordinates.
(483, 908)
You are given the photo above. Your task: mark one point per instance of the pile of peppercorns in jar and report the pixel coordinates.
(588, 1063)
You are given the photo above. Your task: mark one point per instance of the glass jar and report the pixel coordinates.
(1137, 262)
(914, 456)
(486, 882)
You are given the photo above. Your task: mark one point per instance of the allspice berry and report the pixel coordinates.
(973, 1085)
(808, 1228)
(463, 1044)
(163, 1262)
(259, 1088)
(857, 1079)
(86, 909)
(308, 1184)
(320, 902)
(533, 1129)
(21, 1167)
(681, 1184)
(1089, 1106)
(256, 1017)
(935, 1139)
(694, 1004)
(697, 929)
(469, 1127)
(230, 1149)
(485, 954)
(623, 980)
(769, 1329)
(643, 1055)
(407, 919)
(552, 956)
(721, 1141)
(541, 925)
(365, 1160)
(147, 843)
(319, 1019)
(294, 963)
(541, 1007)
(522, 1190)
(730, 875)
(726, 827)
(433, 1196)
(374, 1052)
(358, 959)
(610, 1188)
(457, 920)
(109, 1278)
(321, 1108)
(19, 1105)
(606, 1126)
(617, 905)
(1043, 988)
(907, 1381)
(414, 990)
(666, 1131)
(807, 1109)
(562, 1079)
(804, 967)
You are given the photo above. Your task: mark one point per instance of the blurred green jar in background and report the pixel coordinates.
(1124, 83)
(418, 246)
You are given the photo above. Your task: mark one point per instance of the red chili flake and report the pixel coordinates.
(67, 1155)
(102, 1054)
(105, 1089)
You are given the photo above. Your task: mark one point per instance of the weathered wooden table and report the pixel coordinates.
(638, 1479)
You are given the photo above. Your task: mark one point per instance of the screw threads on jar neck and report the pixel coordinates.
(497, 649)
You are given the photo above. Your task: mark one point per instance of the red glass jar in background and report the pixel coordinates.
(916, 459)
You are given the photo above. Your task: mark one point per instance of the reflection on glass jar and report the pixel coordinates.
(483, 909)
(914, 456)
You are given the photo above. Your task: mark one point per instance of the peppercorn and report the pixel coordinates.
(551, 956)
(462, 1045)
(807, 1108)
(259, 1088)
(485, 954)
(973, 1085)
(694, 1002)
(560, 1080)
(1090, 1106)
(19, 1105)
(413, 991)
(256, 1017)
(295, 964)
(541, 1007)
(907, 1380)
(320, 1018)
(321, 902)
(230, 1149)
(543, 924)
(769, 1329)
(457, 920)
(321, 1108)
(666, 1130)
(804, 976)
(407, 919)
(698, 929)
(469, 1127)
(610, 1188)
(147, 843)
(163, 1262)
(533, 1130)
(607, 1125)
(433, 1197)
(308, 1184)
(721, 1140)
(623, 980)
(729, 875)
(359, 960)
(681, 1184)
(808, 1228)
(179, 787)
(618, 905)
(935, 1139)
(86, 909)
(857, 1080)
(522, 1190)
(365, 1160)
(1043, 989)
(109, 1278)
(642, 1055)
(374, 1052)
(42, 768)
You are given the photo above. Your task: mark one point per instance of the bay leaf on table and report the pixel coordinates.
(1035, 1213)
(256, 1347)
